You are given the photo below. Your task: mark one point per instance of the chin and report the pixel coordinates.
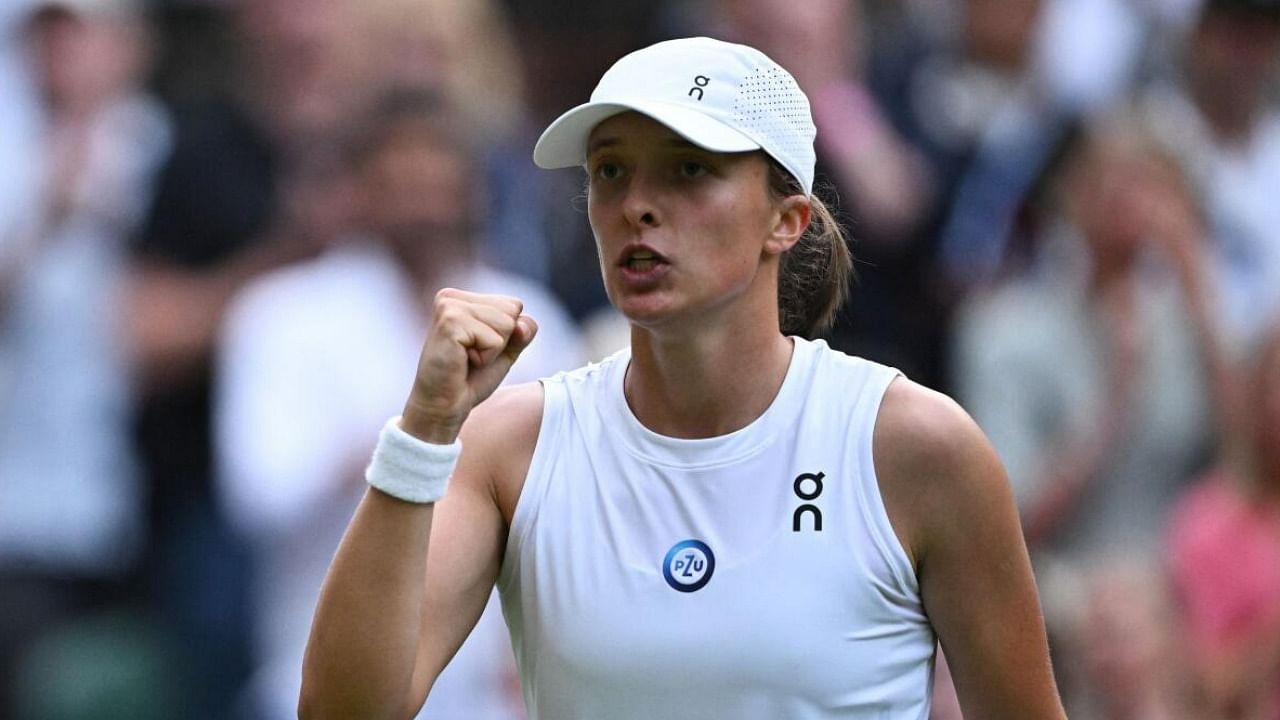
(643, 316)
(649, 312)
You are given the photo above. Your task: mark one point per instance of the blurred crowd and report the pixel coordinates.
(221, 224)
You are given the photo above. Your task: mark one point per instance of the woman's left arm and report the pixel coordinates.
(951, 506)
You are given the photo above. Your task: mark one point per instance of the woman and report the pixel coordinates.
(696, 527)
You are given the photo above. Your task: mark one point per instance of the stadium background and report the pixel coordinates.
(1066, 214)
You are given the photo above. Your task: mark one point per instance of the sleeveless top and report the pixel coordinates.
(750, 575)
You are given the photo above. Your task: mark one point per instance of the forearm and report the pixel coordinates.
(364, 639)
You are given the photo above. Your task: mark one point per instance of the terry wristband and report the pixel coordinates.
(407, 468)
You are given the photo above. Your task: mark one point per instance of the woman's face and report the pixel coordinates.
(681, 232)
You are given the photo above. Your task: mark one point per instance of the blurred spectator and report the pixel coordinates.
(998, 116)
(1095, 374)
(19, 145)
(1092, 372)
(1224, 545)
(243, 192)
(71, 503)
(1133, 665)
(313, 364)
(466, 51)
(1219, 114)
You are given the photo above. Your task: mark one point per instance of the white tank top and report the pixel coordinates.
(751, 575)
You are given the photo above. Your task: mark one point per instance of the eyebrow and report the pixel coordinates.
(602, 143)
(607, 142)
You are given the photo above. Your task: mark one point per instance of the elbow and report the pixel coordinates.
(306, 708)
(309, 708)
(313, 707)
(314, 704)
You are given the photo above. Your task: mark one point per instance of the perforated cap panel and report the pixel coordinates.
(771, 108)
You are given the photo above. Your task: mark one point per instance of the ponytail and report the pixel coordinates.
(814, 275)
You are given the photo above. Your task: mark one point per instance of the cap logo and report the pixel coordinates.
(699, 82)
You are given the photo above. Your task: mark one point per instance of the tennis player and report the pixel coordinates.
(727, 519)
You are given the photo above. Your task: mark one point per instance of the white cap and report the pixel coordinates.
(717, 95)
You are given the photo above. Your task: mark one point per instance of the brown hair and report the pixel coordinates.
(814, 276)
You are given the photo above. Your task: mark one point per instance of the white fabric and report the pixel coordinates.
(789, 625)
(1088, 50)
(314, 359)
(721, 96)
(407, 468)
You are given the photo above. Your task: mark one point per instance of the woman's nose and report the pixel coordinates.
(640, 205)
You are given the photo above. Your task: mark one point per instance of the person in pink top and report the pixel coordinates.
(1224, 539)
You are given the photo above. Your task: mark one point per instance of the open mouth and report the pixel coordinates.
(642, 259)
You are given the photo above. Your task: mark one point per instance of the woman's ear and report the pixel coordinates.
(790, 222)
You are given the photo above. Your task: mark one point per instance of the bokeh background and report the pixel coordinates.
(221, 222)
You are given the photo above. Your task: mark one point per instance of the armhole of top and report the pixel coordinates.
(535, 482)
(874, 510)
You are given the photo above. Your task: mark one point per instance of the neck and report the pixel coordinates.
(705, 383)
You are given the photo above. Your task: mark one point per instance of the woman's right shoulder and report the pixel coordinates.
(501, 433)
(509, 418)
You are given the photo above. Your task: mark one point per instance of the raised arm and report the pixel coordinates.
(410, 580)
(951, 506)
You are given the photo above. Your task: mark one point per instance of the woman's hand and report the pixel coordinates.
(473, 342)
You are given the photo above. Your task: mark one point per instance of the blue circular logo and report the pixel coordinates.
(689, 565)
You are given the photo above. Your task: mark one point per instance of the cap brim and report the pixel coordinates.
(564, 142)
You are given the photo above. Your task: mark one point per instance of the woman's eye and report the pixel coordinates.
(692, 169)
(608, 171)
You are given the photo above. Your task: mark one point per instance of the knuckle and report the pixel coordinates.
(443, 297)
(508, 303)
(448, 314)
(506, 324)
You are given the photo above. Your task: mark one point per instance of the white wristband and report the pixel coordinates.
(407, 468)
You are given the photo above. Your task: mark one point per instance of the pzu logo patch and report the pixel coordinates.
(689, 565)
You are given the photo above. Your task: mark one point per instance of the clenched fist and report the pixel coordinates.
(473, 342)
